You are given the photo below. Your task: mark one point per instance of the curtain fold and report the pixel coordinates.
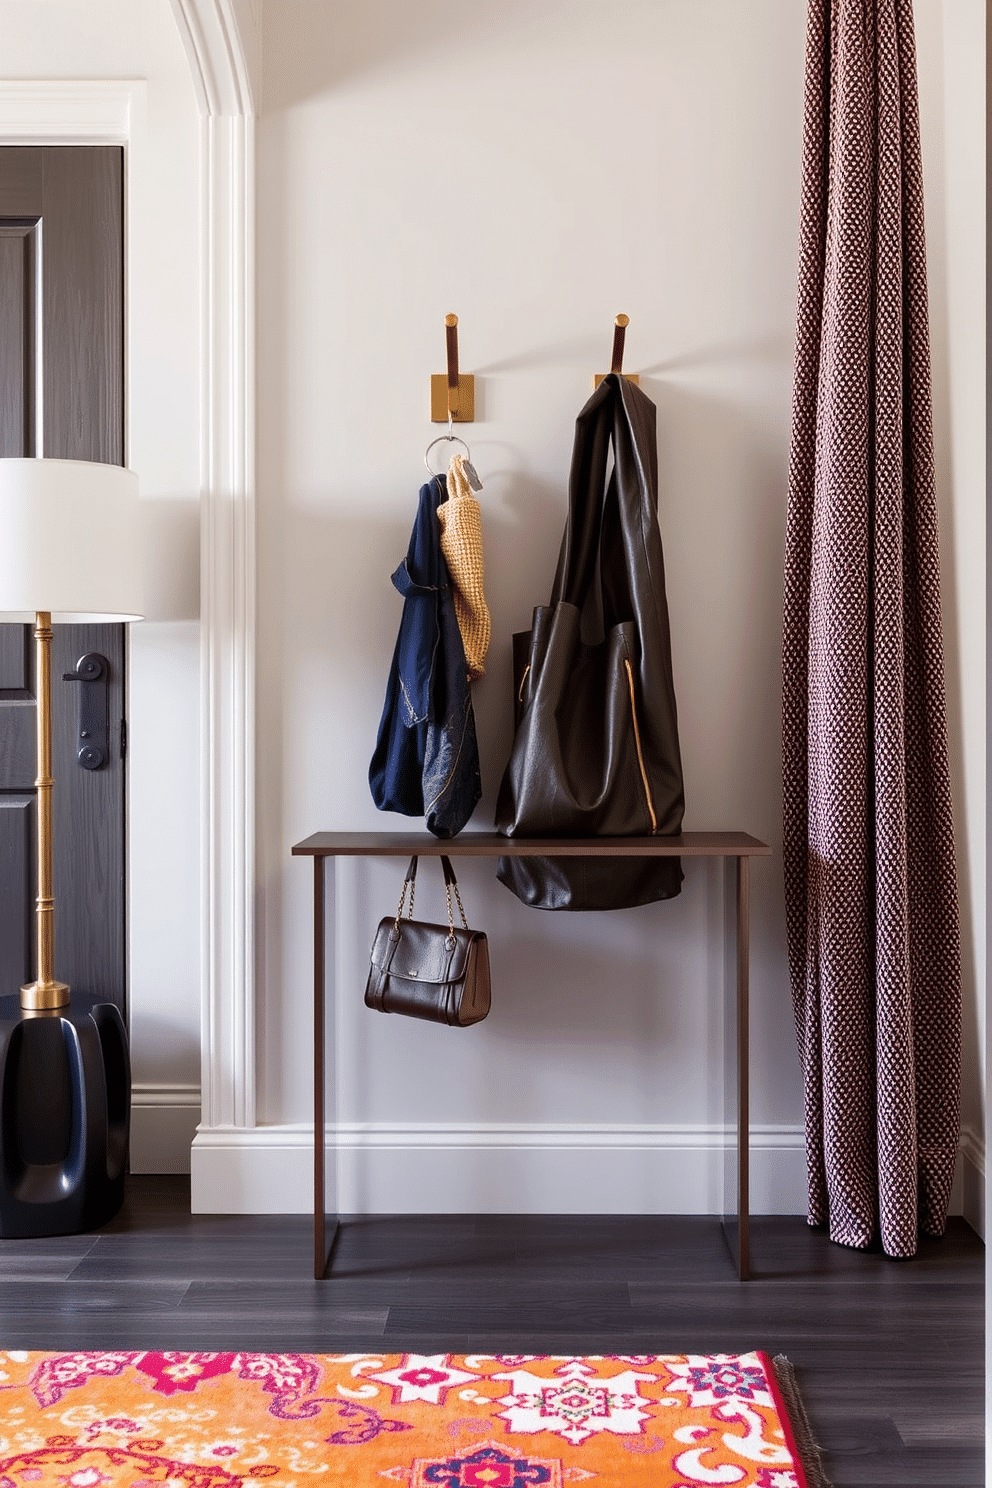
(871, 895)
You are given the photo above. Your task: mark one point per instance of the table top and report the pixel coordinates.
(494, 844)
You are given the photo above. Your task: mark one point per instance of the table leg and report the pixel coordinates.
(319, 1251)
(737, 1226)
(736, 1220)
(321, 1241)
(743, 1067)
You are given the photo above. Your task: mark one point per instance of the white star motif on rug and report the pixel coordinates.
(426, 1377)
(575, 1404)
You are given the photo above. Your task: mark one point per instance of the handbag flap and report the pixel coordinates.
(422, 953)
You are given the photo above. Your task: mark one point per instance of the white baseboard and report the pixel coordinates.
(164, 1119)
(438, 1169)
(969, 1196)
(447, 1169)
(408, 1168)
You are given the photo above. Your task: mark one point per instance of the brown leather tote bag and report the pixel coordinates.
(596, 748)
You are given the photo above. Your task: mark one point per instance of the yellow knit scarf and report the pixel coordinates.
(461, 543)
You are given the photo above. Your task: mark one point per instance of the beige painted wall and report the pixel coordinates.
(536, 168)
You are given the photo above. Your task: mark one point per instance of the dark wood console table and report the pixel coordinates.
(736, 845)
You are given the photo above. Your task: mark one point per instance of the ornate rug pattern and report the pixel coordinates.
(243, 1420)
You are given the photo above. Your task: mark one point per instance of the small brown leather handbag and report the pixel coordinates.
(436, 972)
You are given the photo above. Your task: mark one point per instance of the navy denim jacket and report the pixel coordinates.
(426, 760)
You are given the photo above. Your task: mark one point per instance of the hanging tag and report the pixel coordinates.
(473, 479)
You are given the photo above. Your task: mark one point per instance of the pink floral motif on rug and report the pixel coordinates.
(214, 1420)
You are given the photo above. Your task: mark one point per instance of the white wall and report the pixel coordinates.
(121, 39)
(952, 68)
(536, 168)
(964, 414)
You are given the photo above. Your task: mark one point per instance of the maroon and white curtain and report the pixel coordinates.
(871, 894)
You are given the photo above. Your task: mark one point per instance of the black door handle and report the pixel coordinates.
(93, 671)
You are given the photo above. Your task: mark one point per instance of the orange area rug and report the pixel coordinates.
(213, 1420)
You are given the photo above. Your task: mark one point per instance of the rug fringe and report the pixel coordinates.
(809, 1449)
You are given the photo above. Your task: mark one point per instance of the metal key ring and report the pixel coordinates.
(444, 439)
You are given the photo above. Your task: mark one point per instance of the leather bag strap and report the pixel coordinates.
(587, 488)
(450, 884)
(594, 507)
(409, 882)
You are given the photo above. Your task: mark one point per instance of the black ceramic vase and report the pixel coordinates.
(65, 1105)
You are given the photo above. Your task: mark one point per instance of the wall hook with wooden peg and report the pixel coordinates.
(452, 392)
(616, 361)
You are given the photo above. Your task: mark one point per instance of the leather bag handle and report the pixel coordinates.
(450, 884)
(600, 517)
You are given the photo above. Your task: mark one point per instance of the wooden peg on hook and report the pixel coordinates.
(452, 392)
(616, 361)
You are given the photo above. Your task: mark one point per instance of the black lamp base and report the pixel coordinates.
(65, 1110)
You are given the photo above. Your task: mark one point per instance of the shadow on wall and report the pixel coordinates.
(343, 41)
(348, 610)
(722, 515)
(174, 1050)
(932, 62)
(722, 500)
(598, 1004)
(171, 544)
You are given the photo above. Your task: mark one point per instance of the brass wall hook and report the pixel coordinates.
(452, 393)
(616, 361)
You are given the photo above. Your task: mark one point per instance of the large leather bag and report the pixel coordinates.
(596, 748)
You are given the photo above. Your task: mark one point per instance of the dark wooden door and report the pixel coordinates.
(62, 395)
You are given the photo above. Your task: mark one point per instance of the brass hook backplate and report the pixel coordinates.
(627, 377)
(463, 398)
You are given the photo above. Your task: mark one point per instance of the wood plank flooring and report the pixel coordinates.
(888, 1355)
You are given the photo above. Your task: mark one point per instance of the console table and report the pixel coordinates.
(726, 845)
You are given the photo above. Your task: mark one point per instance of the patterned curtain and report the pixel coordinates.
(871, 895)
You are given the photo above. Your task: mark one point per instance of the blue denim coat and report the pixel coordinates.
(426, 760)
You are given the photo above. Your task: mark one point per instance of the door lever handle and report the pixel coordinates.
(93, 745)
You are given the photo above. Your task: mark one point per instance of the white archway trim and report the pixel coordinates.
(216, 56)
(227, 565)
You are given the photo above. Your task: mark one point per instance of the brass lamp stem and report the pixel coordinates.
(45, 993)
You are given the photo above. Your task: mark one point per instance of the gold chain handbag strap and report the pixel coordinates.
(409, 882)
(450, 883)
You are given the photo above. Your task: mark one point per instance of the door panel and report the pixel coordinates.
(82, 296)
(61, 247)
(18, 747)
(88, 821)
(15, 662)
(21, 176)
(18, 275)
(17, 869)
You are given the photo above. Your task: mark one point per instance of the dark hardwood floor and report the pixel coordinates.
(888, 1355)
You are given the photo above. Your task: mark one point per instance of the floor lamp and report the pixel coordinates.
(70, 554)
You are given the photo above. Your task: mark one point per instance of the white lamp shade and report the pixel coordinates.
(69, 541)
